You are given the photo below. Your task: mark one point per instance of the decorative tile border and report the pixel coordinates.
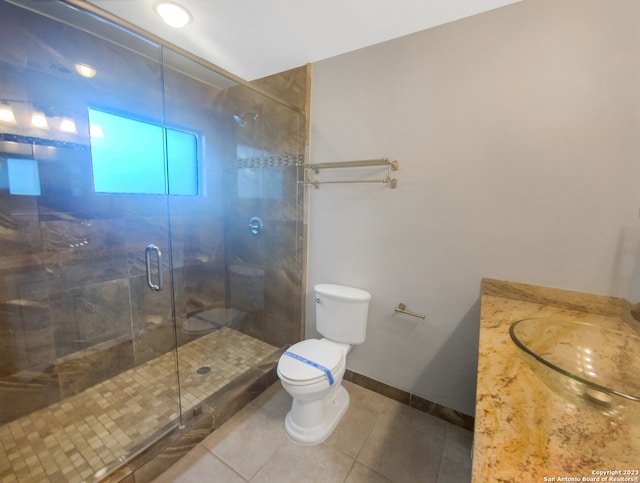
(269, 161)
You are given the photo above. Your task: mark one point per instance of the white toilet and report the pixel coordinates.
(311, 371)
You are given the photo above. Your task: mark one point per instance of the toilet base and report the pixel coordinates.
(332, 408)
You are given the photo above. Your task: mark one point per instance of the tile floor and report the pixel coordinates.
(379, 440)
(74, 439)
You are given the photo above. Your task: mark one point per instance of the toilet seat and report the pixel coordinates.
(321, 352)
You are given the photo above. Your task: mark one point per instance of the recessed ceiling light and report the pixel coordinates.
(85, 70)
(68, 125)
(96, 131)
(6, 113)
(173, 14)
(39, 120)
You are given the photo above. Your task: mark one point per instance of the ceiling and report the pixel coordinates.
(257, 38)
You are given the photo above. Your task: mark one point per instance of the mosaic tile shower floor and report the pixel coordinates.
(72, 440)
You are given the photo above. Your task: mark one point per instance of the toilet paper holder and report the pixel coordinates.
(402, 308)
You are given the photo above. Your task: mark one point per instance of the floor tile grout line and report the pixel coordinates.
(225, 463)
(353, 465)
(444, 443)
(373, 427)
(267, 462)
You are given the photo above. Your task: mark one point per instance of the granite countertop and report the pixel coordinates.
(525, 432)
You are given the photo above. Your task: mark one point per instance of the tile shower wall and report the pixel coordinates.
(74, 305)
(263, 182)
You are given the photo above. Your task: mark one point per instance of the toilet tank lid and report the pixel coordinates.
(342, 292)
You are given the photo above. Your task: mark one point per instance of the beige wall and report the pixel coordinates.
(518, 137)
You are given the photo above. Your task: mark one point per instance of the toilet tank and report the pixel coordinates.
(341, 312)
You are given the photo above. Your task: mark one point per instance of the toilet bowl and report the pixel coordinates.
(319, 399)
(311, 371)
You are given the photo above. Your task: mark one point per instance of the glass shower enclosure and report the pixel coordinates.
(149, 239)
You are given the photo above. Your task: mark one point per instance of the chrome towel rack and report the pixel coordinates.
(391, 166)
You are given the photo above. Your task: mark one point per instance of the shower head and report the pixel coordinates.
(241, 120)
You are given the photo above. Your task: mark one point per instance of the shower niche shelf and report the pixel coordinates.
(382, 162)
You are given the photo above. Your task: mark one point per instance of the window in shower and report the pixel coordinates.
(128, 156)
(20, 176)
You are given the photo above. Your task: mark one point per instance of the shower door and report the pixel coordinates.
(236, 279)
(87, 335)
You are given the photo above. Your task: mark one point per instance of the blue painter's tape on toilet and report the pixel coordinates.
(311, 363)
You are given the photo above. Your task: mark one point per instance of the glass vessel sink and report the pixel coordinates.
(584, 362)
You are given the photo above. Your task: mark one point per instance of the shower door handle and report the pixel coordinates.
(147, 256)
